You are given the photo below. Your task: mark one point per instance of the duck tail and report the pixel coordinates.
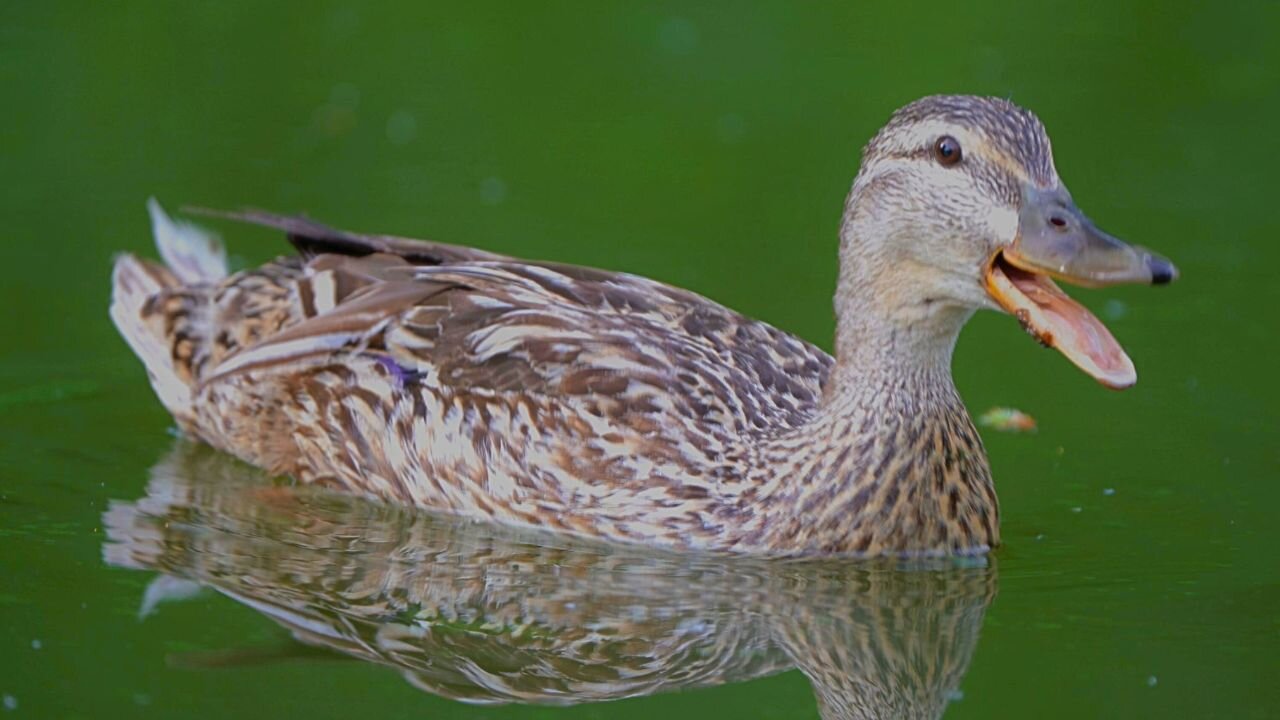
(161, 309)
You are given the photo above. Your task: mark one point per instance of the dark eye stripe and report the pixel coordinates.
(993, 179)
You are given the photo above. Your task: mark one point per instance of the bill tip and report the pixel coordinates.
(1163, 272)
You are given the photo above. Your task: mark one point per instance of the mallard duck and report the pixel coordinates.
(486, 614)
(611, 406)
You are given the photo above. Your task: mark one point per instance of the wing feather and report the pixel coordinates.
(313, 238)
(475, 321)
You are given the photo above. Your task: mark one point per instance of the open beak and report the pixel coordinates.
(1056, 240)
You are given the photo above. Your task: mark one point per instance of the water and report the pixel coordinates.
(710, 149)
(469, 613)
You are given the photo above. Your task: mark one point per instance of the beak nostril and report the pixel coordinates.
(1057, 221)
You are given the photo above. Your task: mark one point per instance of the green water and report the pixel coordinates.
(707, 147)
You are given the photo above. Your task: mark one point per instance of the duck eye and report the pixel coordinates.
(947, 151)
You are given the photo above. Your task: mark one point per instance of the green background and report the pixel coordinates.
(708, 145)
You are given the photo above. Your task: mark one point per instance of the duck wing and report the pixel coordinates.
(312, 238)
(465, 319)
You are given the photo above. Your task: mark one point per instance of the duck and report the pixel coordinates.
(609, 406)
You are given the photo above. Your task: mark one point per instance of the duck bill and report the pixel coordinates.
(1056, 240)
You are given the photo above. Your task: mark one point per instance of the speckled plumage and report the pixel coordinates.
(603, 404)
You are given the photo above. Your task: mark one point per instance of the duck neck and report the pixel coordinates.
(891, 463)
(886, 315)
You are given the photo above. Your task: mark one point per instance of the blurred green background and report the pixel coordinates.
(704, 144)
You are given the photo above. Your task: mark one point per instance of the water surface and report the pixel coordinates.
(708, 147)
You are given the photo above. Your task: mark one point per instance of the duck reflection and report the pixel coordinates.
(491, 615)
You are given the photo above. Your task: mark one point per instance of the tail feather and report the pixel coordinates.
(194, 254)
(135, 285)
(157, 308)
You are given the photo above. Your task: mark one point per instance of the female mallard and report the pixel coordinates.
(607, 405)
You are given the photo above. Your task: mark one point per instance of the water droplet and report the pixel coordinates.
(1152, 680)
(678, 36)
(731, 128)
(36, 644)
(1077, 509)
(402, 127)
(344, 20)
(1108, 491)
(493, 191)
(345, 95)
(10, 702)
(332, 120)
(1115, 309)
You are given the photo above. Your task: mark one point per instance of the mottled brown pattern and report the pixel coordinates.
(483, 614)
(1014, 131)
(608, 405)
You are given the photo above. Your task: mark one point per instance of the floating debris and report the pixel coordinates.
(1006, 419)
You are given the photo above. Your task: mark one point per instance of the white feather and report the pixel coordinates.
(194, 254)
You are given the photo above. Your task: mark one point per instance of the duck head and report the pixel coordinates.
(958, 207)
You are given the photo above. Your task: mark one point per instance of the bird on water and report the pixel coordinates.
(611, 406)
